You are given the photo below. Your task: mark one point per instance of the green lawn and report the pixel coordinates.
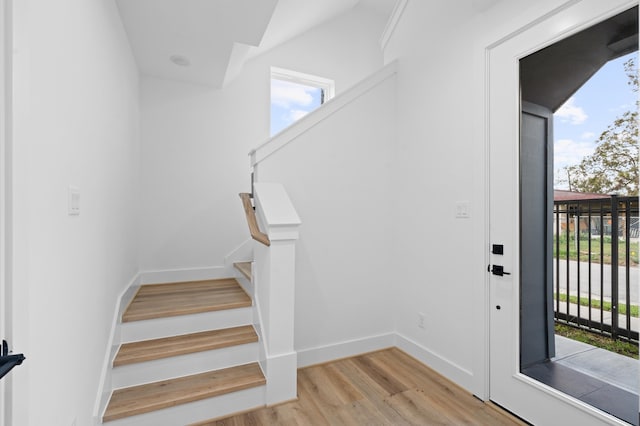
(604, 342)
(606, 306)
(596, 249)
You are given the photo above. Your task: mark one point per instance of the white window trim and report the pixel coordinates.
(327, 85)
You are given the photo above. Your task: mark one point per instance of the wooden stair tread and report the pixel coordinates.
(148, 350)
(166, 300)
(168, 393)
(244, 268)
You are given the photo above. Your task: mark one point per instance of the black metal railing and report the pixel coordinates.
(596, 265)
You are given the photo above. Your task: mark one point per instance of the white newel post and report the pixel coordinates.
(274, 268)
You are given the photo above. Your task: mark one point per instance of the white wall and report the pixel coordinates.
(438, 258)
(196, 141)
(76, 123)
(440, 161)
(338, 176)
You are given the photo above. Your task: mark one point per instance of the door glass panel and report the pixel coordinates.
(579, 225)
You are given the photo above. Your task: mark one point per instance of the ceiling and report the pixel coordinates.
(207, 42)
(552, 75)
(482, 5)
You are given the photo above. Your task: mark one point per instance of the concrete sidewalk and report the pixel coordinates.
(634, 278)
(614, 369)
(595, 315)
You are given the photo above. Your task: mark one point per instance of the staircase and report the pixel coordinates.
(189, 353)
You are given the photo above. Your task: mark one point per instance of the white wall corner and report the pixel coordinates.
(457, 374)
(392, 23)
(326, 353)
(237, 58)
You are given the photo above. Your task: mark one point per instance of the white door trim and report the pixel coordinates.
(3, 203)
(540, 15)
(6, 168)
(514, 21)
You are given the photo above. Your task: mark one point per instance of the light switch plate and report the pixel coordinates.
(463, 210)
(74, 201)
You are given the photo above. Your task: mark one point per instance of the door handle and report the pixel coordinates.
(498, 270)
(7, 361)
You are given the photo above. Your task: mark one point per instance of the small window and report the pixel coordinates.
(294, 95)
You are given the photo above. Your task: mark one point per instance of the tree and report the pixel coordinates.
(613, 166)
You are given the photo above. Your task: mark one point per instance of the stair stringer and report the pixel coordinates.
(256, 313)
(105, 386)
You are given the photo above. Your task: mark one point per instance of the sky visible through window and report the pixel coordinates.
(578, 124)
(290, 102)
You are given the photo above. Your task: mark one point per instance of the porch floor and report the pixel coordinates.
(603, 379)
(610, 367)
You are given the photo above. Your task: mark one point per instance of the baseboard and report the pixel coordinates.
(322, 354)
(104, 386)
(187, 274)
(257, 325)
(328, 353)
(461, 376)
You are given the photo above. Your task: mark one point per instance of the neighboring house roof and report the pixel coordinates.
(564, 195)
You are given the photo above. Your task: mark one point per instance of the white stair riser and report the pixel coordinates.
(183, 365)
(135, 331)
(193, 412)
(245, 283)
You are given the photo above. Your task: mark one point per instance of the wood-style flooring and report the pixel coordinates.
(381, 388)
(148, 350)
(168, 393)
(164, 300)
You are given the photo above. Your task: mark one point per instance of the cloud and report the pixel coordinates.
(571, 113)
(623, 107)
(286, 94)
(567, 152)
(587, 135)
(297, 114)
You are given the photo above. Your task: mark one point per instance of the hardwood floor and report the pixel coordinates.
(147, 350)
(381, 388)
(164, 300)
(168, 393)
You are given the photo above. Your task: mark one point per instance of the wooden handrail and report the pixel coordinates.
(251, 220)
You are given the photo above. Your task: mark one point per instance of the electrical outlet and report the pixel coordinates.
(421, 320)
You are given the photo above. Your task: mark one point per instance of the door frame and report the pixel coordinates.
(5, 196)
(536, 23)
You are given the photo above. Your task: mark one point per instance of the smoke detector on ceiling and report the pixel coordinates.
(180, 60)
